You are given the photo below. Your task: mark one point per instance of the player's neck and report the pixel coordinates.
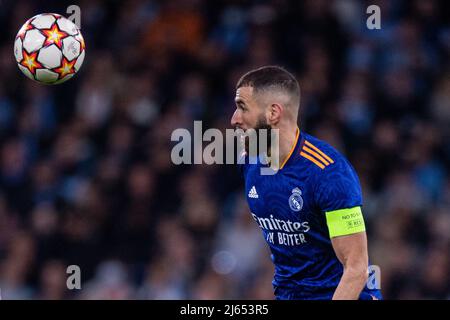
(288, 139)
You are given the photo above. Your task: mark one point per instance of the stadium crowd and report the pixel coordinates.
(85, 172)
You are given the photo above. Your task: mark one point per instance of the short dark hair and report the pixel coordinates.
(268, 77)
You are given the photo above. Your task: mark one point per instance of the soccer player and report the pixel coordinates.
(310, 210)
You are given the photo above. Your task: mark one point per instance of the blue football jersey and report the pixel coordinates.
(290, 207)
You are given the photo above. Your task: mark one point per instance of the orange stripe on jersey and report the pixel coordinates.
(307, 156)
(315, 154)
(319, 151)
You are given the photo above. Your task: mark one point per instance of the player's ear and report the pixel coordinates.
(275, 111)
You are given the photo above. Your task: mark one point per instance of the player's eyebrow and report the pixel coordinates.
(239, 102)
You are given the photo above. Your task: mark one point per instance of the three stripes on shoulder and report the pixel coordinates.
(315, 155)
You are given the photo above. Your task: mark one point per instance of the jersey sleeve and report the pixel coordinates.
(338, 195)
(338, 187)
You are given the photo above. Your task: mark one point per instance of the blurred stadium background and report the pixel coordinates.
(85, 171)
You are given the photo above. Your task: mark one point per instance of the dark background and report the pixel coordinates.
(85, 170)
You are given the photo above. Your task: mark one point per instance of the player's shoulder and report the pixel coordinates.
(321, 154)
(329, 168)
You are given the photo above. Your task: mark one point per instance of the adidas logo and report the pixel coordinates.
(252, 193)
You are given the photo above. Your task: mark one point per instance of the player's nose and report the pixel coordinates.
(236, 120)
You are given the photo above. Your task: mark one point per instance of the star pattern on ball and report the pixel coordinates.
(54, 36)
(30, 62)
(27, 26)
(67, 67)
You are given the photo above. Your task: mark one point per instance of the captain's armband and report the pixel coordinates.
(345, 221)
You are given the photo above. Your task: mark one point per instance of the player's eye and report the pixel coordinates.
(241, 107)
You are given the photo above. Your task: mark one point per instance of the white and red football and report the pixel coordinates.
(49, 48)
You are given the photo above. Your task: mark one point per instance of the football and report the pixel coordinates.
(49, 48)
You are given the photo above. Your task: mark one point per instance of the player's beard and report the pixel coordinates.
(261, 125)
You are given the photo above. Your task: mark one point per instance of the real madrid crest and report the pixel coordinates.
(296, 200)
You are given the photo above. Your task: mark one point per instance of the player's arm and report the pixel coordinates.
(339, 197)
(348, 237)
(351, 251)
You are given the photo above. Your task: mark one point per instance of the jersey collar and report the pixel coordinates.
(297, 143)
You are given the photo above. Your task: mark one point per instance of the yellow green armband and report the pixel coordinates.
(345, 221)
